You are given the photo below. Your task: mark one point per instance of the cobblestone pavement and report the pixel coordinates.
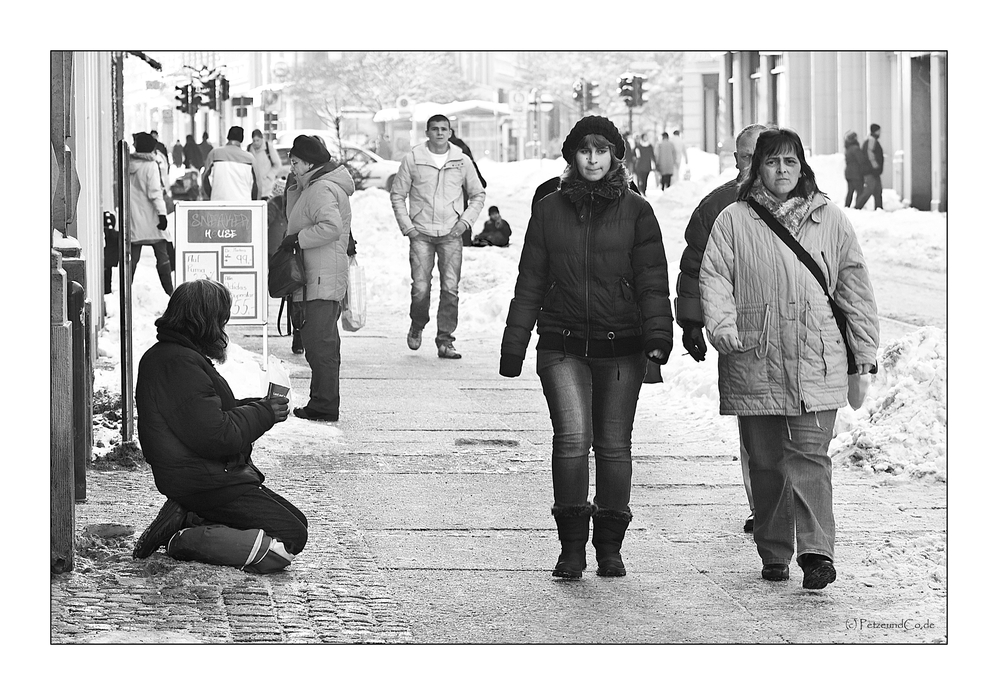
(429, 523)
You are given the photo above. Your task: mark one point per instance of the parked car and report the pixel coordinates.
(374, 171)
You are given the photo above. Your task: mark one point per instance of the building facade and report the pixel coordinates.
(823, 94)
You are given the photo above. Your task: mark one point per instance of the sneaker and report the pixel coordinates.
(447, 351)
(748, 525)
(307, 413)
(413, 338)
(775, 572)
(169, 521)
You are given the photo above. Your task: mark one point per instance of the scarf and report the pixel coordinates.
(601, 193)
(790, 213)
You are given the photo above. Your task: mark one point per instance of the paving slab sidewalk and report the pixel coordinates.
(429, 523)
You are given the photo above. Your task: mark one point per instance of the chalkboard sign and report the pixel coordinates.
(226, 226)
(226, 242)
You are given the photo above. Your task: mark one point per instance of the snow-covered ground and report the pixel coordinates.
(899, 433)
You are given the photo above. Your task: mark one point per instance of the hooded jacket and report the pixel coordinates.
(195, 435)
(319, 211)
(436, 202)
(753, 286)
(146, 202)
(592, 269)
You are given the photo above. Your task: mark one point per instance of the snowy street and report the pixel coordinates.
(429, 500)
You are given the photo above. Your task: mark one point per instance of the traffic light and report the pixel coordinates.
(591, 94)
(639, 100)
(223, 89)
(626, 89)
(578, 91)
(208, 89)
(183, 98)
(270, 122)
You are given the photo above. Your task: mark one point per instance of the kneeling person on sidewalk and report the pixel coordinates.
(197, 438)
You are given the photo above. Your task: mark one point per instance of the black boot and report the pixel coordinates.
(609, 531)
(574, 529)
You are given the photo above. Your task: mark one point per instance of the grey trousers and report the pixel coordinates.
(792, 478)
(321, 340)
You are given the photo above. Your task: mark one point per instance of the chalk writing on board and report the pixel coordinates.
(243, 288)
(237, 256)
(201, 264)
(219, 226)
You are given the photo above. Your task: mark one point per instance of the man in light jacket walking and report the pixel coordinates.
(434, 176)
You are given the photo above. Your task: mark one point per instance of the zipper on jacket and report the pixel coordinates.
(586, 274)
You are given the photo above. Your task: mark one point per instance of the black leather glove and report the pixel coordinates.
(694, 343)
(290, 241)
(510, 365)
(162, 222)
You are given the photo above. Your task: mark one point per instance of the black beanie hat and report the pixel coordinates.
(235, 133)
(874, 127)
(593, 125)
(310, 148)
(144, 142)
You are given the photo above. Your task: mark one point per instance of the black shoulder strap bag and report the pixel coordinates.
(810, 263)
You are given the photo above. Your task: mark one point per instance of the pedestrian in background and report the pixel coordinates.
(229, 170)
(147, 209)
(665, 160)
(873, 179)
(467, 151)
(680, 154)
(856, 167)
(266, 163)
(318, 207)
(177, 154)
(769, 318)
(205, 146)
(688, 302)
(645, 160)
(198, 439)
(435, 177)
(193, 157)
(593, 276)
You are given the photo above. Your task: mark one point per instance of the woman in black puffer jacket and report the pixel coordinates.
(593, 276)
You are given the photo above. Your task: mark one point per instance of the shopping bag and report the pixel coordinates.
(355, 305)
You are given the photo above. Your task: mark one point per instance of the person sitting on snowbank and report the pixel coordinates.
(496, 231)
(197, 438)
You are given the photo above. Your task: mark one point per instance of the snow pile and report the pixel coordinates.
(901, 427)
(898, 434)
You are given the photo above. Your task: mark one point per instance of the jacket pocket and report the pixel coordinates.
(745, 371)
(550, 302)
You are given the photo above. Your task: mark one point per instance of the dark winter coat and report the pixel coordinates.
(193, 156)
(857, 165)
(645, 159)
(493, 234)
(195, 435)
(873, 151)
(699, 227)
(592, 274)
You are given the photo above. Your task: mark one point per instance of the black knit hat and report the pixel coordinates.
(310, 148)
(144, 142)
(874, 127)
(593, 125)
(235, 133)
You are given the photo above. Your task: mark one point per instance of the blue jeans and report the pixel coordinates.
(321, 341)
(792, 479)
(448, 250)
(591, 401)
